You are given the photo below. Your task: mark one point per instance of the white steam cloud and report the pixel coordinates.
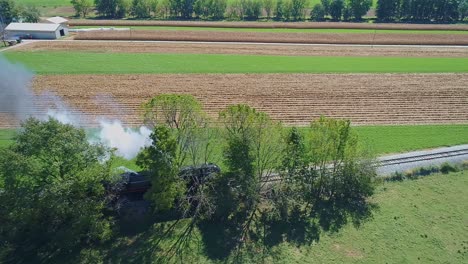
(126, 141)
(17, 99)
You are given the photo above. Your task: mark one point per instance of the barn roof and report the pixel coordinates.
(43, 27)
(57, 20)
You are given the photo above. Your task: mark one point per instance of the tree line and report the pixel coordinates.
(280, 10)
(276, 184)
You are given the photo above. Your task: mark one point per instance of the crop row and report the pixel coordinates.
(293, 25)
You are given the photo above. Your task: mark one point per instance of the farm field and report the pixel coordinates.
(122, 63)
(245, 49)
(292, 30)
(294, 99)
(271, 25)
(276, 37)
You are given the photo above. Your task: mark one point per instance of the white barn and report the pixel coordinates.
(36, 30)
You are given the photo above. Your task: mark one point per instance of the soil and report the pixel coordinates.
(247, 49)
(244, 24)
(269, 37)
(365, 99)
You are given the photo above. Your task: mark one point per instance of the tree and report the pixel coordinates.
(336, 8)
(182, 8)
(279, 10)
(463, 9)
(325, 175)
(297, 10)
(30, 14)
(252, 153)
(251, 9)
(326, 6)
(8, 10)
(359, 8)
(317, 13)
(112, 8)
(347, 12)
(52, 197)
(387, 10)
(268, 5)
(82, 7)
(210, 8)
(160, 160)
(140, 8)
(181, 137)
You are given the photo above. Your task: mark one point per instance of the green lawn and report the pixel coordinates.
(124, 63)
(45, 3)
(6, 136)
(419, 221)
(288, 30)
(392, 139)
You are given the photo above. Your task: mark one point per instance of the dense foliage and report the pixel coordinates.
(322, 178)
(11, 12)
(272, 183)
(287, 10)
(421, 10)
(52, 196)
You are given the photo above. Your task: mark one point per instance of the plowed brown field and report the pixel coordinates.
(292, 98)
(298, 25)
(248, 49)
(268, 37)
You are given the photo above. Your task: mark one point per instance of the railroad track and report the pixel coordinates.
(431, 156)
(396, 161)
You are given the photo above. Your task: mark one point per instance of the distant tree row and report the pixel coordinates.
(422, 10)
(285, 10)
(11, 12)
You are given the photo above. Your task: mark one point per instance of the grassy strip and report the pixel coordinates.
(124, 63)
(44, 3)
(288, 30)
(393, 139)
(381, 139)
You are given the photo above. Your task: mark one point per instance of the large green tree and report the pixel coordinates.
(359, 8)
(8, 11)
(82, 7)
(52, 198)
(336, 9)
(387, 10)
(112, 8)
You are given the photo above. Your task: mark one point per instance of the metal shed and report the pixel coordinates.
(36, 30)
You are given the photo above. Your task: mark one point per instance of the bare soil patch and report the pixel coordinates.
(298, 25)
(365, 99)
(246, 49)
(268, 37)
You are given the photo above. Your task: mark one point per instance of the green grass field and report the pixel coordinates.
(381, 139)
(124, 63)
(419, 221)
(45, 3)
(392, 139)
(288, 30)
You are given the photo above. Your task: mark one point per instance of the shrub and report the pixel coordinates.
(447, 168)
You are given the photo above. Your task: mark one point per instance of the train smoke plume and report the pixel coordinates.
(17, 99)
